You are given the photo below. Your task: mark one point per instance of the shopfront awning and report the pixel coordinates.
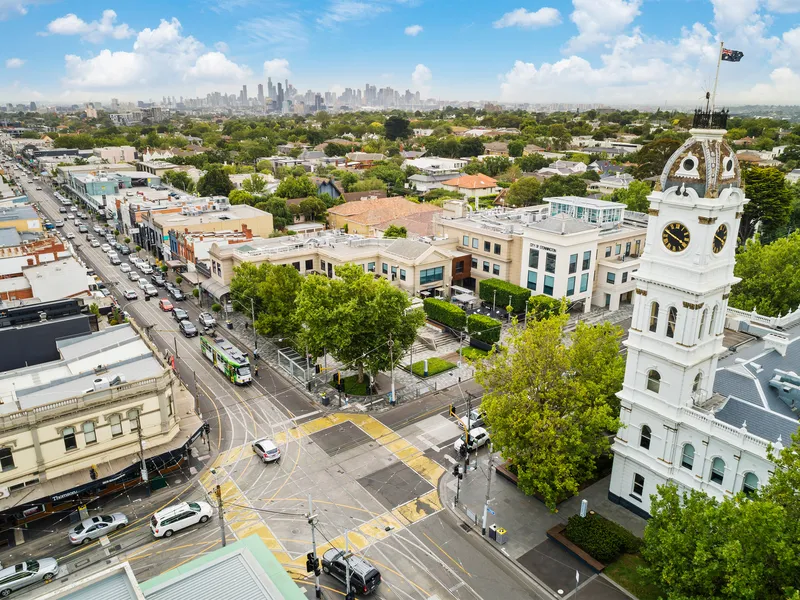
(215, 288)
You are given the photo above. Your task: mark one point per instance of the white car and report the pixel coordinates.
(477, 437)
(167, 521)
(70, 235)
(473, 419)
(125, 268)
(150, 290)
(146, 269)
(143, 283)
(105, 248)
(38, 187)
(130, 295)
(133, 276)
(266, 450)
(97, 229)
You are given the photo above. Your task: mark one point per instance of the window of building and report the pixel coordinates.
(89, 434)
(474, 263)
(672, 319)
(549, 283)
(465, 241)
(431, 275)
(322, 266)
(384, 268)
(475, 243)
(584, 282)
(6, 459)
(495, 269)
(570, 286)
(497, 249)
(610, 277)
(403, 274)
(587, 260)
(394, 273)
(618, 249)
(717, 470)
(573, 263)
(625, 277)
(698, 379)
(645, 437)
(116, 425)
(310, 265)
(532, 280)
(550, 262)
(702, 324)
(487, 246)
(608, 251)
(749, 485)
(460, 266)
(637, 247)
(296, 265)
(133, 419)
(687, 457)
(486, 266)
(627, 249)
(653, 381)
(371, 267)
(713, 321)
(654, 317)
(638, 485)
(533, 258)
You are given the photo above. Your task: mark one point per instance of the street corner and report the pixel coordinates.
(419, 508)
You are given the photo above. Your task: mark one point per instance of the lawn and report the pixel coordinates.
(473, 353)
(435, 366)
(351, 385)
(625, 571)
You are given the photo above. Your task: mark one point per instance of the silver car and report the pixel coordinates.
(96, 527)
(27, 573)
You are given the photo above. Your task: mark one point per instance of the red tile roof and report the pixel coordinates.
(472, 182)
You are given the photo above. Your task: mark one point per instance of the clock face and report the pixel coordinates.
(675, 237)
(720, 237)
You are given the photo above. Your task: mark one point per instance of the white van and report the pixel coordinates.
(167, 521)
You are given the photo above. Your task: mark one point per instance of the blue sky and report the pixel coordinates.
(592, 51)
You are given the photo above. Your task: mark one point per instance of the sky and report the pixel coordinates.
(618, 52)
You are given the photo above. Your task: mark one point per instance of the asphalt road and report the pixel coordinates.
(368, 476)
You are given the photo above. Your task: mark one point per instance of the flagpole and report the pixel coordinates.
(716, 79)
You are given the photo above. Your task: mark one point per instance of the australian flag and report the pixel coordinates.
(732, 55)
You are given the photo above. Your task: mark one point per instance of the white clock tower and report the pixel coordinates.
(681, 296)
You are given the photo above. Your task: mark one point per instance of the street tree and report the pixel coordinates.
(470, 146)
(354, 316)
(180, 179)
(634, 197)
(368, 185)
(214, 183)
(397, 128)
(393, 231)
(549, 402)
(241, 197)
(312, 208)
(296, 187)
(255, 184)
(531, 162)
(544, 307)
(281, 216)
(770, 202)
(523, 192)
(516, 148)
(273, 290)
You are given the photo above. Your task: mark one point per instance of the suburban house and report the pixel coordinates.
(473, 186)
(364, 216)
(496, 149)
(368, 195)
(565, 168)
(610, 184)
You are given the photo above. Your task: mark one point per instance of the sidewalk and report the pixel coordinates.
(527, 520)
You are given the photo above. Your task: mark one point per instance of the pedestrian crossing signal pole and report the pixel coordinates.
(488, 490)
(221, 516)
(312, 562)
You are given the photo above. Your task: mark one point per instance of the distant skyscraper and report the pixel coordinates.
(260, 94)
(280, 97)
(114, 104)
(33, 106)
(244, 95)
(270, 88)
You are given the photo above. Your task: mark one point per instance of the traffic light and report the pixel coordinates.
(453, 411)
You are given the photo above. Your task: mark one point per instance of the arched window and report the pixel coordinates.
(653, 381)
(702, 324)
(712, 324)
(89, 435)
(654, 316)
(672, 319)
(133, 417)
(70, 443)
(687, 458)
(644, 439)
(717, 470)
(116, 425)
(750, 484)
(698, 379)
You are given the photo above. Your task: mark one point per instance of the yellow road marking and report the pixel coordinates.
(454, 561)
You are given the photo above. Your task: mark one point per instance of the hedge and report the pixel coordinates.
(507, 293)
(604, 540)
(445, 313)
(483, 328)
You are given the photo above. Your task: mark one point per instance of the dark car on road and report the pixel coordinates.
(176, 293)
(158, 279)
(364, 578)
(179, 314)
(186, 327)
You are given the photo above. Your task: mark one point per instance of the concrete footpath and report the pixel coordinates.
(527, 520)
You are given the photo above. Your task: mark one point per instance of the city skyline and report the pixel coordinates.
(610, 52)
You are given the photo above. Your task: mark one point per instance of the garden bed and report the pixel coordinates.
(352, 386)
(557, 534)
(603, 540)
(473, 353)
(436, 366)
(625, 572)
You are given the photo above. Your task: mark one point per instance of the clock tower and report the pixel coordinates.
(682, 292)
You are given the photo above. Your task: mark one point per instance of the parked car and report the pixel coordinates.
(96, 228)
(93, 243)
(179, 314)
(473, 419)
(158, 279)
(83, 229)
(150, 290)
(477, 437)
(96, 527)
(114, 259)
(364, 578)
(125, 250)
(176, 294)
(134, 276)
(62, 209)
(187, 327)
(70, 235)
(125, 268)
(165, 305)
(130, 295)
(266, 450)
(142, 283)
(24, 574)
(105, 248)
(207, 320)
(174, 518)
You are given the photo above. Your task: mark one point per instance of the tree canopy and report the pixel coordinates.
(274, 289)
(634, 197)
(393, 231)
(770, 202)
(523, 192)
(255, 184)
(296, 187)
(214, 183)
(397, 127)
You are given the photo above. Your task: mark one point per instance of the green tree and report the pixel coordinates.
(390, 173)
(312, 208)
(516, 148)
(550, 402)
(790, 153)
(367, 185)
(571, 185)
(354, 316)
(348, 179)
(397, 128)
(634, 197)
(560, 135)
(281, 216)
(652, 157)
(494, 165)
(770, 282)
(255, 184)
(770, 202)
(214, 183)
(531, 162)
(180, 179)
(544, 307)
(393, 231)
(241, 197)
(470, 146)
(296, 187)
(273, 289)
(334, 149)
(523, 192)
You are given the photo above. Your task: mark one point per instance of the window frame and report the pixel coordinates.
(92, 431)
(550, 260)
(533, 264)
(535, 280)
(485, 266)
(573, 263)
(7, 454)
(497, 249)
(672, 322)
(72, 435)
(747, 489)
(112, 425)
(645, 437)
(587, 260)
(495, 270)
(653, 381)
(687, 462)
(487, 246)
(571, 286)
(611, 277)
(465, 241)
(584, 282)
(549, 284)
(638, 481)
(655, 308)
(134, 422)
(713, 473)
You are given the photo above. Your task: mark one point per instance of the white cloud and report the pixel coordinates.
(421, 78)
(14, 63)
(783, 88)
(16, 8)
(783, 6)
(599, 20)
(94, 32)
(544, 17)
(222, 47)
(730, 14)
(287, 32)
(413, 30)
(216, 67)
(344, 11)
(277, 67)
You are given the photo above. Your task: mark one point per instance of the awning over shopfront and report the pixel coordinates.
(175, 264)
(215, 288)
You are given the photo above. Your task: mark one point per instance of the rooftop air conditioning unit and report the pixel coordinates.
(118, 379)
(101, 383)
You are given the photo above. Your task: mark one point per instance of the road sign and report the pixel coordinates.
(491, 512)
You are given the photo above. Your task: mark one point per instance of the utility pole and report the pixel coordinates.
(255, 335)
(175, 339)
(488, 491)
(221, 515)
(347, 561)
(312, 520)
(391, 360)
(467, 440)
(145, 477)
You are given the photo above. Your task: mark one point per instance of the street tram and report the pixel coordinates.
(233, 363)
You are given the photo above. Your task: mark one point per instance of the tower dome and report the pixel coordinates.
(705, 162)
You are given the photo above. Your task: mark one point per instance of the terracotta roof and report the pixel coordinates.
(380, 210)
(420, 224)
(472, 182)
(358, 196)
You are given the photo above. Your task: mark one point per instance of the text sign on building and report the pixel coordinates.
(540, 247)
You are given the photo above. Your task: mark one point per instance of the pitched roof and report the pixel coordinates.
(472, 182)
(380, 210)
(496, 146)
(357, 196)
